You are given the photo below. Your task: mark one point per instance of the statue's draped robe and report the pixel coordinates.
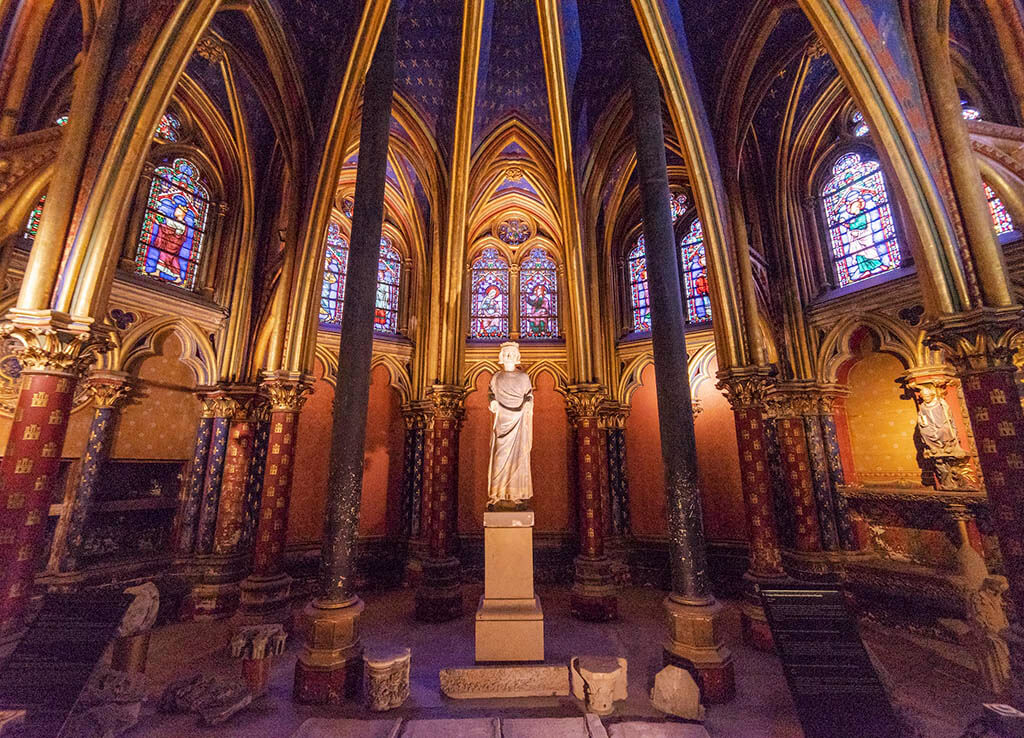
(508, 473)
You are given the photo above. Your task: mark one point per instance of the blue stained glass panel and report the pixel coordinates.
(489, 296)
(861, 231)
(389, 277)
(32, 226)
(332, 290)
(1001, 219)
(695, 275)
(174, 225)
(169, 128)
(538, 296)
(639, 292)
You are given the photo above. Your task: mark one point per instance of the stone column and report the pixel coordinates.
(53, 351)
(109, 391)
(614, 419)
(221, 409)
(228, 532)
(416, 416)
(439, 596)
(746, 390)
(593, 591)
(832, 406)
(329, 668)
(266, 590)
(187, 518)
(695, 632)
(978, 345)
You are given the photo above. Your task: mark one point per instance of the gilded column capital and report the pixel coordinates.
(831, 397)
(614, 414)
(746, 387)
(286, 391)
(238, 402)
(417, 414)
(109, 389)
(447, 400)
(51, 342)
(584, 401)
(978, 340)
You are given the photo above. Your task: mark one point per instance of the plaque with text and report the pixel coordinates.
(834, 684)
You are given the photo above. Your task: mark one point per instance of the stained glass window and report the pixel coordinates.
(1001, 219)
(858, 125)
(61, 120)
(489, 296)
(174, 227)
(538, 296)
(695, 275)
(169, 128)
(514, 231)
(678, 206)
(639, 293)
(389, 277)
(968, 111)
(32, 226)
(332, 290)
(347, 206)
(860, 224)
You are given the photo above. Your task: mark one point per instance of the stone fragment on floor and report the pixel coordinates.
(676, 693)
(386, 677)
(483, 682)
(465, 728)
(339, 728)
(599, 681)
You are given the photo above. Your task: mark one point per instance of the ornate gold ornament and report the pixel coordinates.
(978, 340)
(584, 401)
(746, 387)
(211, 49)
(287, 391)
(51, 342)
(447, 401)
(109, 389)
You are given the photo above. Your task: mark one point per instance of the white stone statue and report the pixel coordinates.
(509, 482)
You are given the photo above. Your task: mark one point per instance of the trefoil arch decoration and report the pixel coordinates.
(489, 296)
(168, 130)
(859, 220)
(538, 295)
(173, 236)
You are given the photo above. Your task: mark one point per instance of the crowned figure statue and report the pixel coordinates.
(509, 481)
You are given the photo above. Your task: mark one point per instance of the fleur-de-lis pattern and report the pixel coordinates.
(27, 475)
(765, 559)
(211, 486)
(254, 483)
(618, 483)
(268, 549)
(823, 492)
(192, 489)
(844, 526)
(412, 479)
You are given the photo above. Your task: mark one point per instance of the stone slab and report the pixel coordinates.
(488, 682)
(508, 562)
(545, 728)
(520, 519)
(467, 728)
(656, 730)
(332, 728)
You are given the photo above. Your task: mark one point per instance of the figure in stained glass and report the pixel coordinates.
(174, 225)
(538, 289)
(640, 297)
(695, 275)
(1001, 219)
(489, 296)
(389, 274)
(861, 231)
(168, 129)
(332, 290)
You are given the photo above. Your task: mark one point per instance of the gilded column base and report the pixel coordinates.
(214, 592)
(594, 595)
(810, 566)
(330, 668)
(265, 599)
(696, 642)
(439, 595)
(756, 632)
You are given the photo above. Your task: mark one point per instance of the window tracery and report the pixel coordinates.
(32, 225)
(489, 296)
(168, 129)
(639, 292)
(538, 296)
(174, 225)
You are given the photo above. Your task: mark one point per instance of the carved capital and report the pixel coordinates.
(236, 402)
(792, 400)
(287, 391)
(584, 401)
(417, 414)
(54, 343)
(614, 414)
(447, 401)
(746, 387)
(109, 389)
(978, 340)
(831, 398)
(211, 49)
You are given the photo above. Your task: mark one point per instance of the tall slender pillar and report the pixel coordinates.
(265, 592)
(53, 351)
(416, 422)
(109, 391)
(593, 592)
(832, 404)
(614, 418)
(746, 390)
(187, 518)
(439, 595)
(329, 667)
(695, 634)
(239, 452)
(221, 408)
(978, 345)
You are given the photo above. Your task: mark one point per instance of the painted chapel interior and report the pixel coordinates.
(803, 214)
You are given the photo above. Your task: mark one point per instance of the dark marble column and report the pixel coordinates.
(329, 667)
(614, 419)
(109, 390)
(695, 640)
(593, 592)
(416, 418)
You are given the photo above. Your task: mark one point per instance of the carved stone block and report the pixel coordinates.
(215, 699)
(599, 681)
(480, 682)
(676, 693)
(386, 677)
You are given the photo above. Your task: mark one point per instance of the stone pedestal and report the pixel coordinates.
(329, 668)
(256, 646)
(386, 677)
(264, 599)
(696, 642)
(509, 620)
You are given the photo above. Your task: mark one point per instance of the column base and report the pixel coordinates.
(756, 632)
(264, 599)
(330, 667)
(696, 642)
(439, 595)
(210, 602)
(594, 594)
(810, 566)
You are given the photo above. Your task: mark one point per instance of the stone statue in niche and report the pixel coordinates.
(952, 464)
(509, 481)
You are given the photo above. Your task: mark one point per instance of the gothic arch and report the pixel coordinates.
(144, 340)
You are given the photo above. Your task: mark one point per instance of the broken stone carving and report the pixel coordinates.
(214, 699)
(676, 693)
(599, 681)
(141, 614)
(386, 677)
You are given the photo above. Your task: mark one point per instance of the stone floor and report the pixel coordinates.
(762, 708)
